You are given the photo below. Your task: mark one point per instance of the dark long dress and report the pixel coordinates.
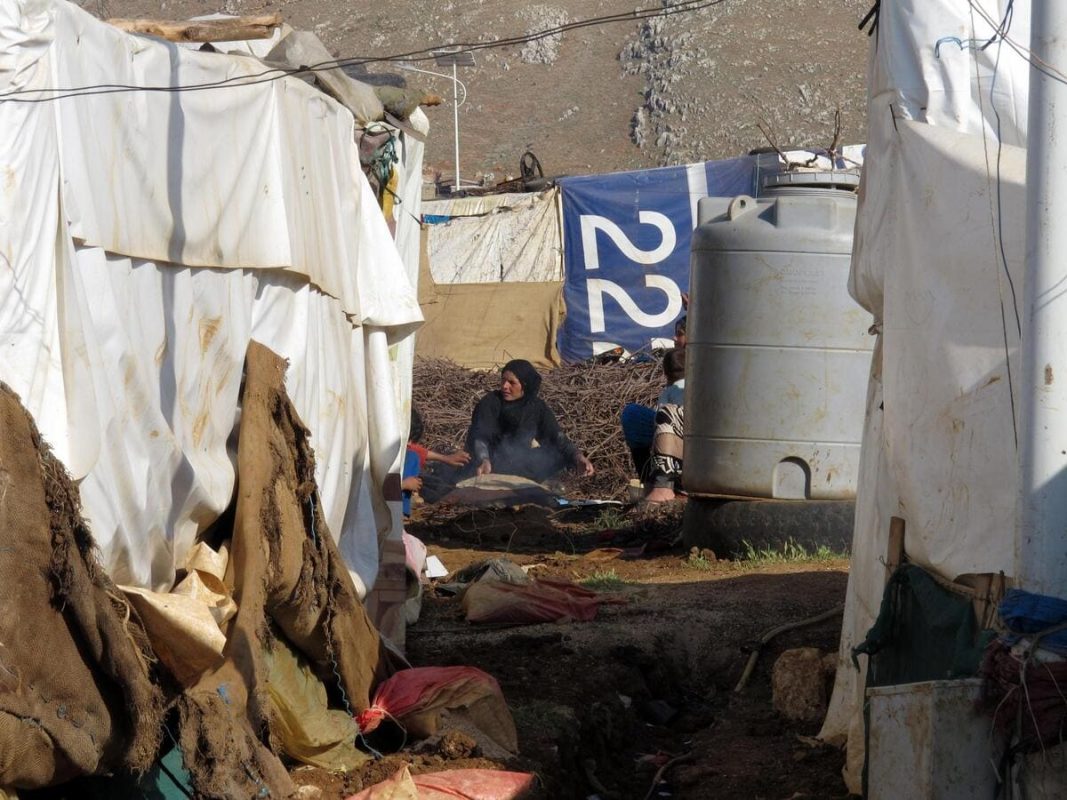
(505, 433)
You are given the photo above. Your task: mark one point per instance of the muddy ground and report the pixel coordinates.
(601, 706)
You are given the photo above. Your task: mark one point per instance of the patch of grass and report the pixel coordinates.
(791, 552)
(700, 559)
(605, 581)
(610, 519)
(699, 562)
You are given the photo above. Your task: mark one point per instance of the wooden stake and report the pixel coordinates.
(894, 555)
(231, 29)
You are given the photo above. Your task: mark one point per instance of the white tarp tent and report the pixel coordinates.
(147, 236)
(495, 238)
(937, 260)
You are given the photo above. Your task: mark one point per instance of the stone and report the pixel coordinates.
(800, 684)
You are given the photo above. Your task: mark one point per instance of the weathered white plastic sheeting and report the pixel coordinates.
(938, 447)
(274, 193)
(130, 361)
(496, 238)
(396, 361)
(407, 216)
(297, 49)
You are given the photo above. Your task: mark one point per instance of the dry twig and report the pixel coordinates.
(830, 152)
(587, 399)
(765, 129)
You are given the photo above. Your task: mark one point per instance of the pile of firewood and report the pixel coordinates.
(587, 399)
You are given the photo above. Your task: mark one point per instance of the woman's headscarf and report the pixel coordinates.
(527, 374)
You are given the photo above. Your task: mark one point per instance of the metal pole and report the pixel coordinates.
(455, 119)
(1041, 532)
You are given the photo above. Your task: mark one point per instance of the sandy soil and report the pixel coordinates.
(601, 705)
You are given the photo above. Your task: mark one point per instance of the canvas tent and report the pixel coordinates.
(148, 237)
(180, 234)
(937, 261)
(495, 238)
(483, 325)
(492, 279)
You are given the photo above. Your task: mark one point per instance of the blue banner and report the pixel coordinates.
(626, 251)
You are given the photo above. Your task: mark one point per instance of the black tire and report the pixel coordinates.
(725, 527)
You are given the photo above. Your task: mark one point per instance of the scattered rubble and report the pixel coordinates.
(711, 76)
(541, 18)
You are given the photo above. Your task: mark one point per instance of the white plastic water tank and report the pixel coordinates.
(778, 353)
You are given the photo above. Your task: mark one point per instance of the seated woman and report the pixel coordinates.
(639, 422)
(514, 432)
(665, 463)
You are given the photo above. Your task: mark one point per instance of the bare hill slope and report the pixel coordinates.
(668, 90)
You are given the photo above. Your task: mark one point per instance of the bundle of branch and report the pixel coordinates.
(587, 399)
(445, 394)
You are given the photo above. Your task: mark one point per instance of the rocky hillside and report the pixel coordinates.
(637, 93)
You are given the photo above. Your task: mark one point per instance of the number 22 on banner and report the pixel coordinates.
(598, 287)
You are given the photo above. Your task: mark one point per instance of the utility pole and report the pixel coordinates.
(1041, 529)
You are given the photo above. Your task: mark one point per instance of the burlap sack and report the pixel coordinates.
(285, 571)
(75, 693)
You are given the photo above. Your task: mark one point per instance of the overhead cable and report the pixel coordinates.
(1001, 29)
(423, 54)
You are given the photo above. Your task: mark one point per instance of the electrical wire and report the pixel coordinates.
(997, 208)
(1002, 30)
(648, 12)
(1039, 64)
(423, 54)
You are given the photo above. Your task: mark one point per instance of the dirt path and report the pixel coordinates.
(600, 706)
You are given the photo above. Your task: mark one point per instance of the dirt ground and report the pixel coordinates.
(602, 706)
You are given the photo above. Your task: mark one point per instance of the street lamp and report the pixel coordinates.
(455, 59)
(456, 82)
